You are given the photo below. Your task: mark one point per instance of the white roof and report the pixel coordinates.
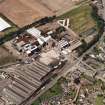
(46, 39)
(28, 52)
(34, 32)
(31, 48)
(3, 24)
(64, 52)
(40, 41)
(63, 43)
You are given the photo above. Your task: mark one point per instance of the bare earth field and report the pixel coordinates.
(6, 57)
(23, 12)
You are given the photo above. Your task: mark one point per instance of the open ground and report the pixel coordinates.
(23, 12)
(5, 56)
(81, 19)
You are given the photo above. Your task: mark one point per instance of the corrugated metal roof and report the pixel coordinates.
(34, 32)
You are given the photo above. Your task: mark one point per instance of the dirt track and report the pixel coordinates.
(23, 12)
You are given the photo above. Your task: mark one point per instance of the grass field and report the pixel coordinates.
(54, 91)
(80, 18)
(10, 30)
(99, 100)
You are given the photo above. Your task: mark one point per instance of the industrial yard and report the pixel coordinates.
(52, 52)
(42, 53)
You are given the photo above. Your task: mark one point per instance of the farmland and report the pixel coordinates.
(80, 18)
(24, 12)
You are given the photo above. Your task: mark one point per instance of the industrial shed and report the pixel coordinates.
(34, 32)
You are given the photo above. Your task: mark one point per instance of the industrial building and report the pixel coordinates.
(30, 42)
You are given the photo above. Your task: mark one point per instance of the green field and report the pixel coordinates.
(54, 91)
(80, 18)
(10, 30)
(99, 100)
